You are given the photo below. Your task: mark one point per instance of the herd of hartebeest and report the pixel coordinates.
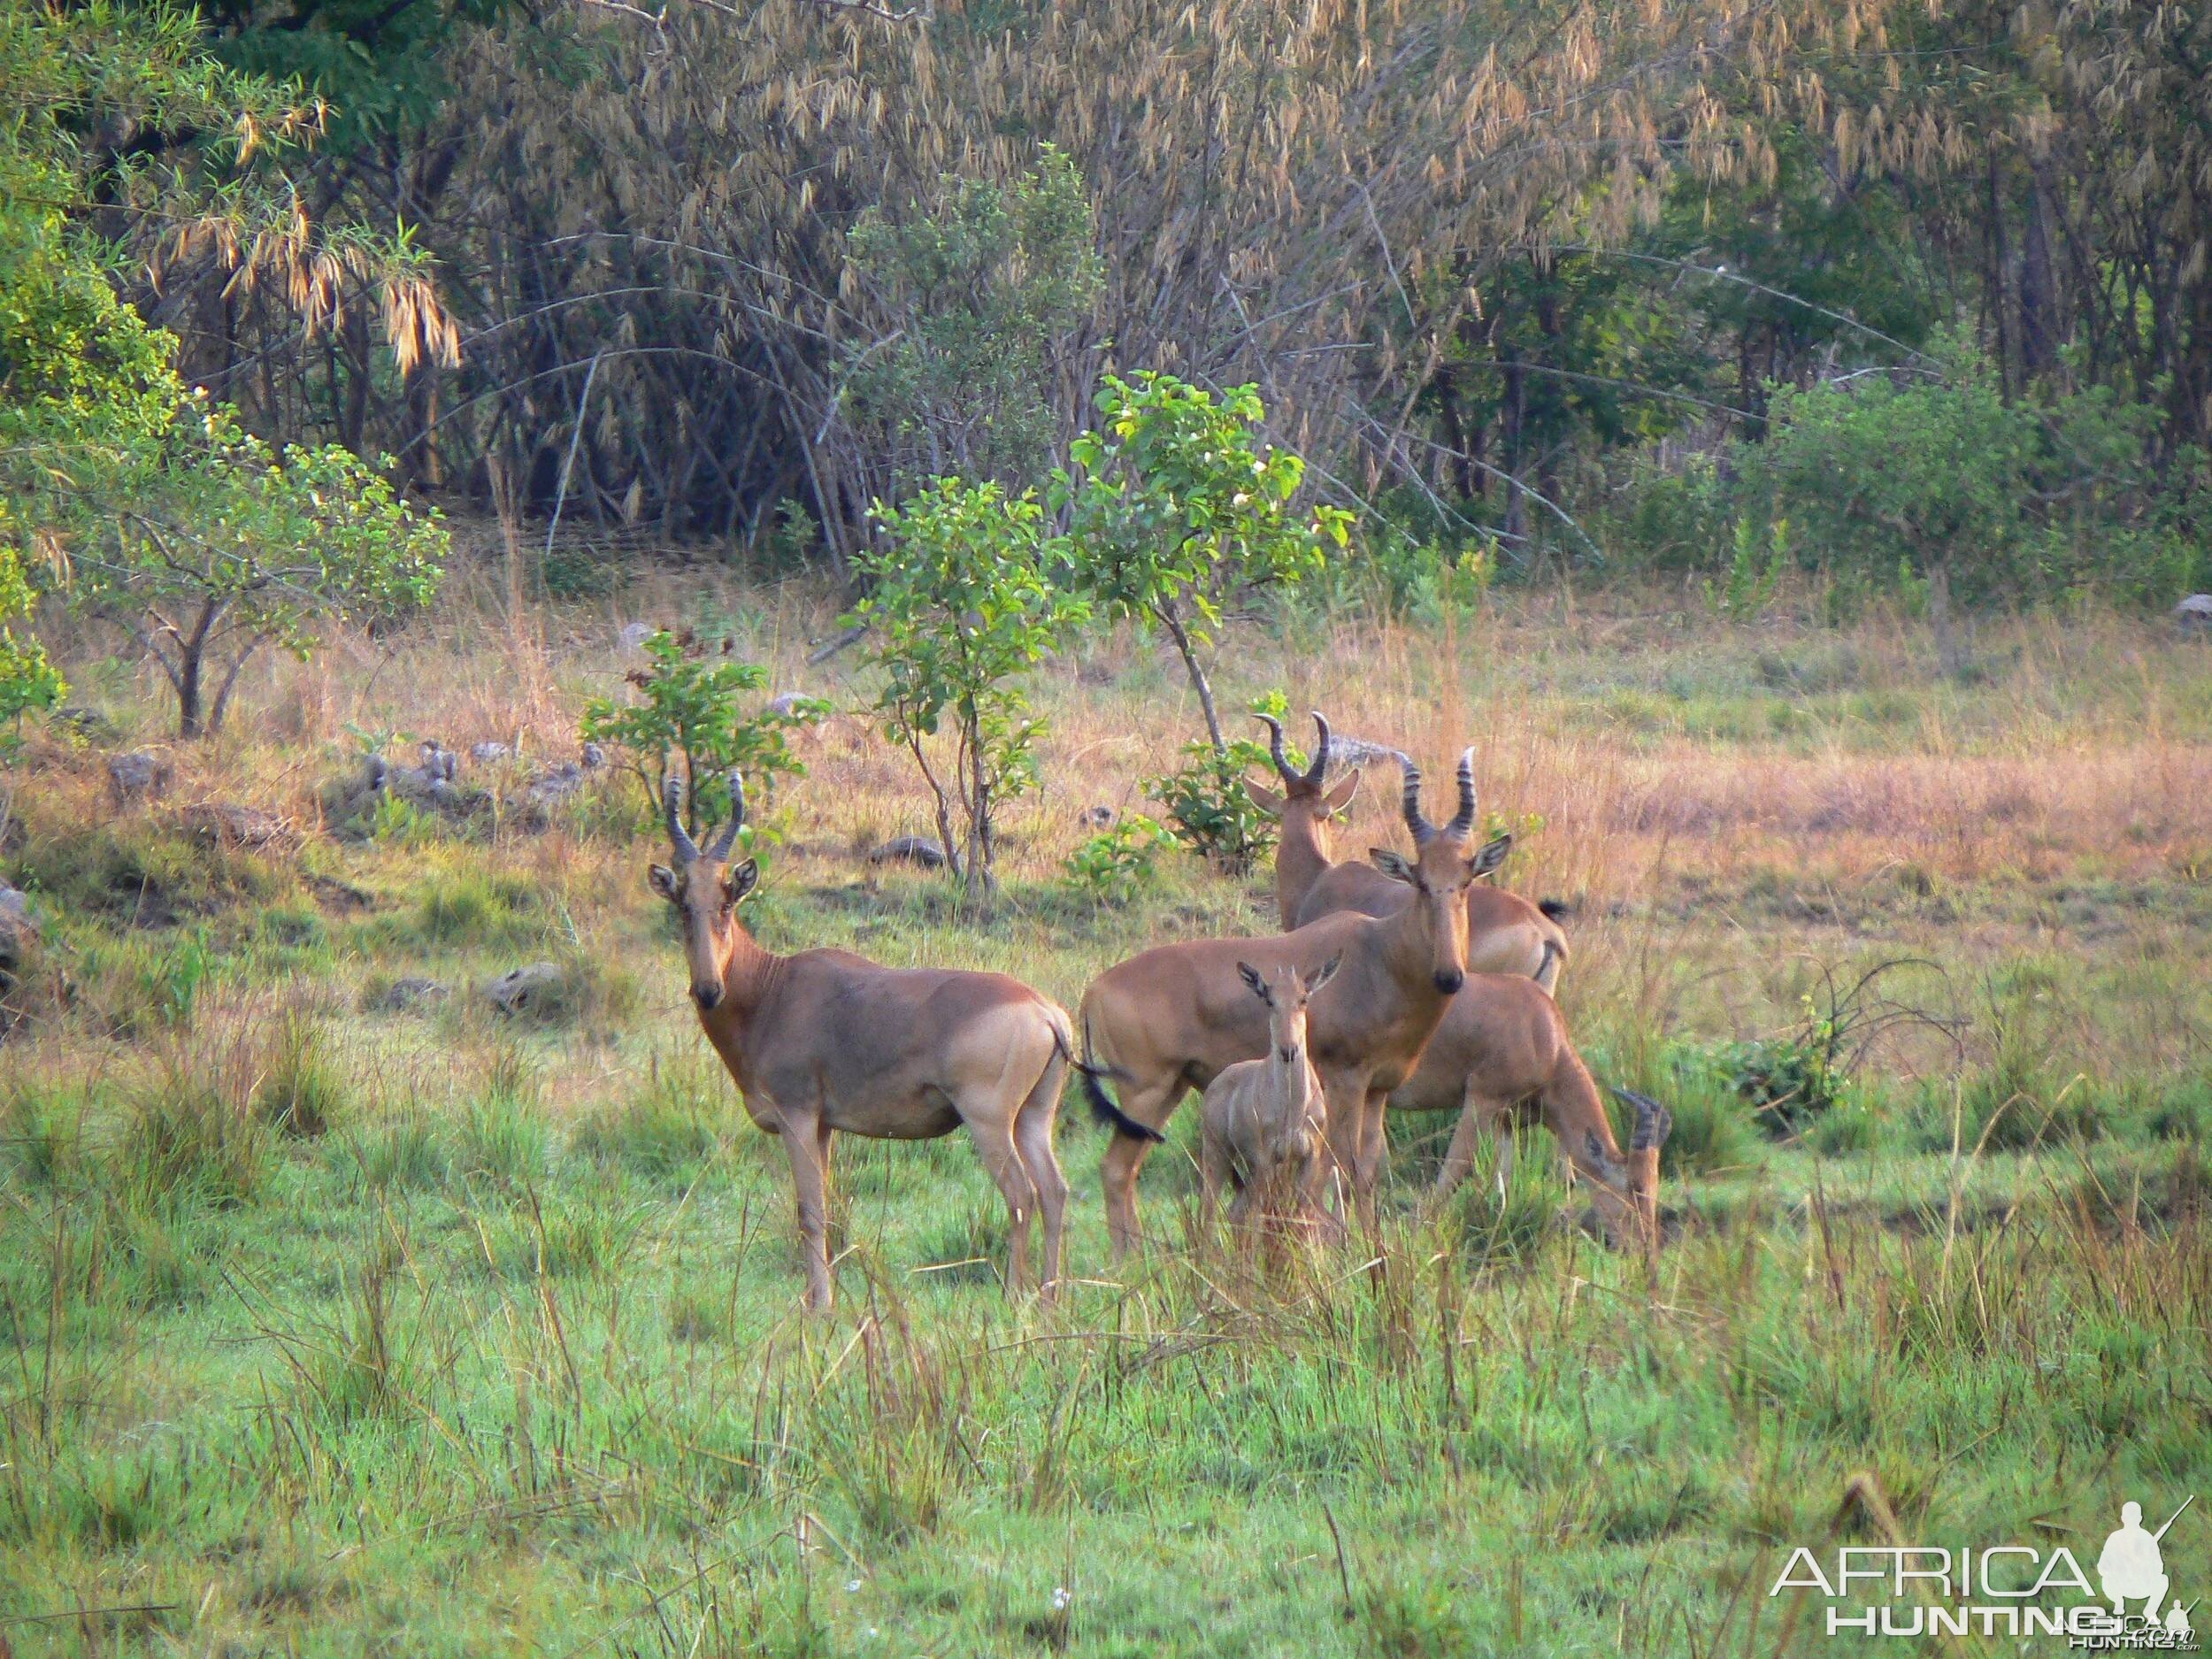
(1403, 982)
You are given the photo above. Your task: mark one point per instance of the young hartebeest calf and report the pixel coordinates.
(825, 1040)
(1505, 933)
(1502, 1055)
(1263, 1126)
(1174, 1018)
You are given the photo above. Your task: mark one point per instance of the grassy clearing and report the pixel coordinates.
(333, 1320)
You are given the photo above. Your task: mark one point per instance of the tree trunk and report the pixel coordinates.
(1949, 661)
(1174, 623)
(191, 663)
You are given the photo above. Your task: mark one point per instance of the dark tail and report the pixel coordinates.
(1557, 909)
(1103, 1107)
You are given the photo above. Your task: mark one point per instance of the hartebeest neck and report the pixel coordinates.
(748, 976)
(1301, 859)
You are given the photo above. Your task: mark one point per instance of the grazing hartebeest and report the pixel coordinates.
(1505, 933)
(1501, 1054)
(826, 1040)
(1263, 1126)
(1173, 1019)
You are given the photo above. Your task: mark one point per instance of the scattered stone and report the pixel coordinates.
(1358, 751)
(529, 987)
(18, 944)
(430, 785)
(594, 757)
(137, 776)
(410, 996)
(634, 635)
(1095, 816)
(227, 823)
(491, 754)
(912, 849)
(2195, 611)
(792, 703)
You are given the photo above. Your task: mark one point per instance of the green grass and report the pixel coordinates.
(326, 1332)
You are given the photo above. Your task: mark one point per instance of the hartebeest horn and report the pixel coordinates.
(728, 837)
(1463, 825)
(1275, 748)
(1314, 773)
(1654, 1122)
(678, 837)
(1421, 830)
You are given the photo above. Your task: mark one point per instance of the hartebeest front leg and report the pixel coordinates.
(806, 1142)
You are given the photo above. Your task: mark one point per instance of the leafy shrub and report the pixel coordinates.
(1208, 806)
(692, 689)
(1117, 865)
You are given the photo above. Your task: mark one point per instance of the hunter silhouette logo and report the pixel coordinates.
(2006, 1590)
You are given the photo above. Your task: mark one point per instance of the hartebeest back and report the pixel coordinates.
(826, 1041)
(1173, 1019)
(1500, 1055)
(1264, 1126)
(1505, 933)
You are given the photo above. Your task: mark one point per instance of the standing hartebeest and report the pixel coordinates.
(1505, 933)
(1263, 1126)
(826, 1040)
(1172, 1018)
(1500, 1055)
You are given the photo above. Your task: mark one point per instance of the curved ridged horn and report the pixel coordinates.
(1275, 748)
(728, 837)
(678, 837)
(1422, 831)
(1463, 825)
(1654, 1122)
(1314, 773)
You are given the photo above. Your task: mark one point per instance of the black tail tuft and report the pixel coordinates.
(1103, 1108)
(1557, 909)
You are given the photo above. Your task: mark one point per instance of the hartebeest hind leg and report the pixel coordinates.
(1125, 1155)
(995, 1145)
(1032, 1138)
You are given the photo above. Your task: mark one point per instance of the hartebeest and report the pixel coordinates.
(1500, 1055)
(1505, 933)
(1174, 1018)
(825, 1041)
(1263, 1124)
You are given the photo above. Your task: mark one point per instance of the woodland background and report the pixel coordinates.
(1533, 276)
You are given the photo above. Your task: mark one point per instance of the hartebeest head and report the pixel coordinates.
(1440, 870)
(705, 889)
(1301, 792)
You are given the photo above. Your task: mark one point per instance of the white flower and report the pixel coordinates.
(852, 1586)
(1060, 1599)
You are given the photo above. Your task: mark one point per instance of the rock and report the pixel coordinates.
(429, 785)
(490, 753)
(137, 776)
(554, 786)
(1095, 816)
(227, 823)
(594, 757)
(1358, 751)
(16, 929)
(534, 985)
(2195, 611)
(911, 849)
(410, 996)
(634, 635)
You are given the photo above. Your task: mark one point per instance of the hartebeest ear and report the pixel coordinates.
(1259, 986)
(1491, 856)
(1328, 973)
(1268, 801)
(1392, 866)
(663, 881)
(1341, 798)
(738, 880)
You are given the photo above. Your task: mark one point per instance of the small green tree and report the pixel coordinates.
(961, 607)
(691, 691)
(237, 547)
(1175, 505)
